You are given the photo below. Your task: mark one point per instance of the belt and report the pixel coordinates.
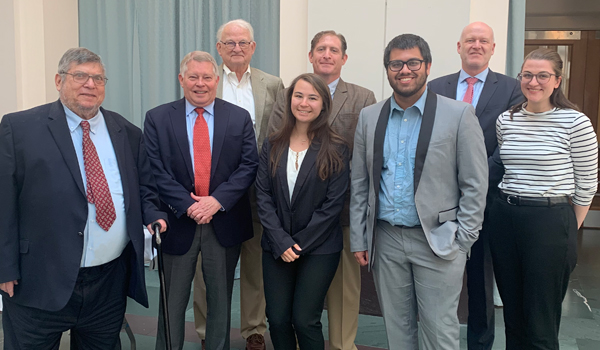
(513, 199)
(400, 226)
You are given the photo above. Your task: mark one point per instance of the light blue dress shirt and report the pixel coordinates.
(190, 120)
(397, 193)
(461, 87)
(99, 246)
(332, 86)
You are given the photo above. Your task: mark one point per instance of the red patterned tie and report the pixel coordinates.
(469, 94)
(202, 156)
(97, 187)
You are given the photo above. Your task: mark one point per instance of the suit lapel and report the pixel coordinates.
(220, 85)
(282, 174)
(259, 93)
(378, 141)
(221, 119)
(177, 117)
(489, 87)
(425, 135)
(60, 132)
(118, 139)
(339, 98)
(307, 164)
(451, 85)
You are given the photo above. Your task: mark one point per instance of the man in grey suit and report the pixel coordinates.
(490, 93)
(419, 180)
(255, 91)
(328, 55)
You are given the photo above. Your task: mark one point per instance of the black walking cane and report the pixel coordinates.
(163, 288)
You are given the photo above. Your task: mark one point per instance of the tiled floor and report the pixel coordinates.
(580, 328)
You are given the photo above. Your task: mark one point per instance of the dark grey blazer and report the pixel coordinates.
(310, 217)
(348, 100)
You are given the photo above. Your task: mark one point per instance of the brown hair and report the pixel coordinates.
(558, 98)
(329, 158)
(319, 35)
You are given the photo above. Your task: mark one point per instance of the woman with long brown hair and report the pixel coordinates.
(301, 186)
(550, 156)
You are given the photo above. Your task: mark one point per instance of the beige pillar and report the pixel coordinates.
(36, 33)
(293, 52)
(369, 25)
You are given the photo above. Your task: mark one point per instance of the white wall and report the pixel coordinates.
(61, 32)
(293, 38)
(29, 53)
(364, 30)
(8, 73)
(495, 14)
(440, 24)
(369, 26)
(34, 35)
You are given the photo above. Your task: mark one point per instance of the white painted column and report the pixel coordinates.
(293, 39)
(8, 64)
(61, 32)
(369, 25)
(361, 22)
(439, 22)
(35, 34)
(495, 14)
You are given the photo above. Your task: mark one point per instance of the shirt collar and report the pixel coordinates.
(333, 85)
(73, 120)
(481, 76)
(228, 72)
(189, 108)
(420, 104)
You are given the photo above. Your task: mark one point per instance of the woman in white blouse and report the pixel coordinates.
(301, 185)
(550, 155)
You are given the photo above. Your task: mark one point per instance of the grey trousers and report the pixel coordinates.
(218, 267)
(410, 279)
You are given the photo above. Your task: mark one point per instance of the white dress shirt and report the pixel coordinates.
(294, 158)
(99, 246)
(239, 92)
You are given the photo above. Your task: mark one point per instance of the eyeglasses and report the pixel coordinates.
(230, 45)
(412, 64)
(82, 78)
(542, 77)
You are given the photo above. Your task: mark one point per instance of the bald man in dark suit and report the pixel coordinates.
(491, 94)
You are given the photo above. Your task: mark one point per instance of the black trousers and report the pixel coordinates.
(480, 288)
(94, 313)
(295, 293)
(534, 253)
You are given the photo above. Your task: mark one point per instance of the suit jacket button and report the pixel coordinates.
(80, 233)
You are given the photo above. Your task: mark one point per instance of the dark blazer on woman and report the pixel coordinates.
(311, 218)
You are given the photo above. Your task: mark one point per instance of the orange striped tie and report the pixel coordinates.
(202, 155)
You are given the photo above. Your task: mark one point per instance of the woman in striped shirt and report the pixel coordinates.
(550, 155)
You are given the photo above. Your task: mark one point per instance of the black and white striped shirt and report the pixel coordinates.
(549, 154)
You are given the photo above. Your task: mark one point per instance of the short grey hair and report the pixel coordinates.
(198, 56)
(238, 22)
(78, 55)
